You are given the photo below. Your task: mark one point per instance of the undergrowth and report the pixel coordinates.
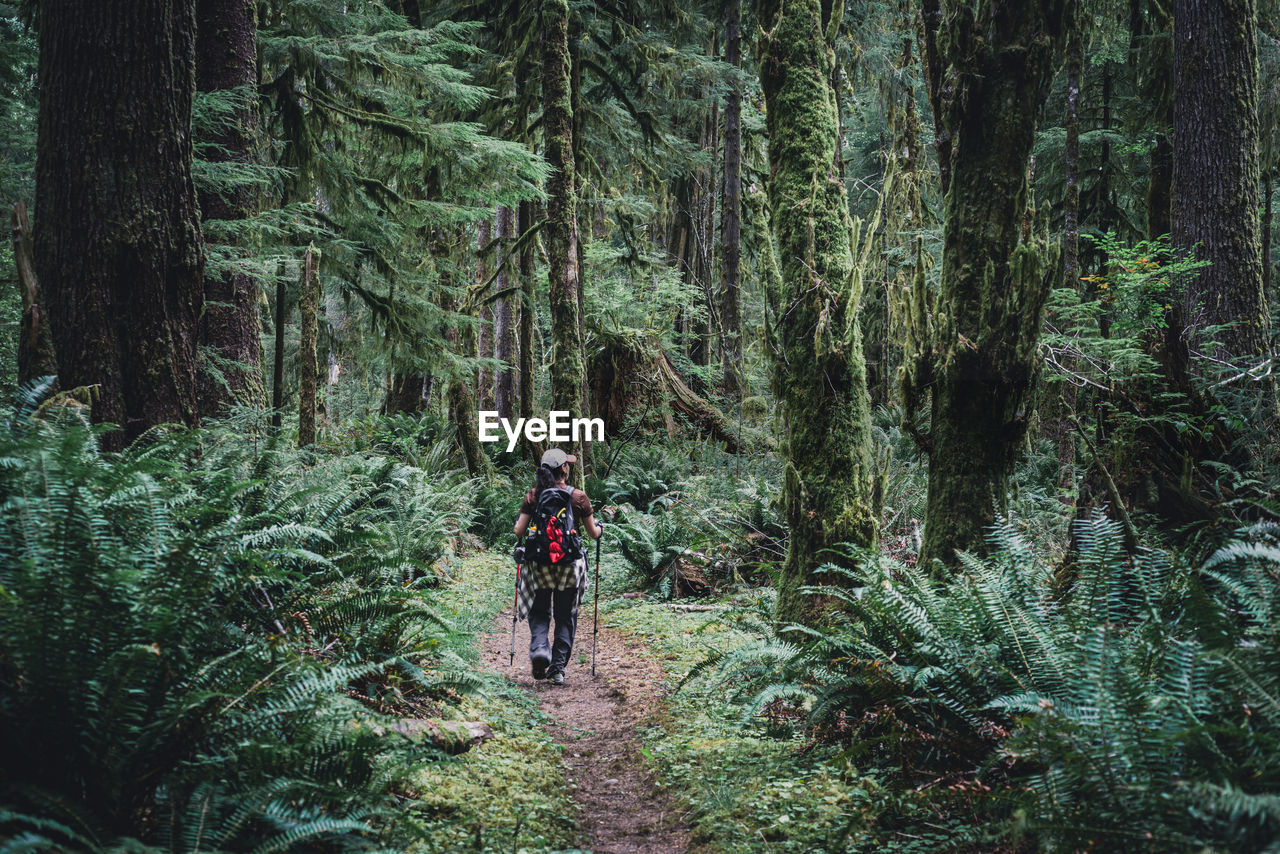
(205, 638)
(1132, 703)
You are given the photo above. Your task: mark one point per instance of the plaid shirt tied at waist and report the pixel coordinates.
(541, 576)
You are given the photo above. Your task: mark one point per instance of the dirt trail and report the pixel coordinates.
(622, 811)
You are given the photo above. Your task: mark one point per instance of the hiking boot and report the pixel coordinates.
(557, 677)
(540, 664)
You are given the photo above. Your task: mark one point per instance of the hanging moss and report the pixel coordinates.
(819, 373)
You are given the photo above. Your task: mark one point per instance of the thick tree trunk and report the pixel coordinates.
(35, 341)
(503, 329)
(308, 301)
(992, 77)
(1216, 195)
(226, 58)
(567, 379)
(819, 371)
(117, 243)
(730, 215)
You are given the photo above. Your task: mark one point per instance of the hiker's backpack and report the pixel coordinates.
(553, 535)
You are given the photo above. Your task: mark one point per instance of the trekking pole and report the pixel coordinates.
(595, 616)
(515, 609)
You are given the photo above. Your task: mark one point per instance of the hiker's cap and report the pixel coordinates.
(554, 458)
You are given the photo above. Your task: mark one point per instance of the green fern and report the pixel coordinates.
(188, 633)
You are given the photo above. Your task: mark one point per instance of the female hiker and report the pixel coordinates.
(554, 571)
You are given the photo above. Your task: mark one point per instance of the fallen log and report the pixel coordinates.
(452, 737)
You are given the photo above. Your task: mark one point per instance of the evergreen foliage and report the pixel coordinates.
(204, 642)
(1132, 702)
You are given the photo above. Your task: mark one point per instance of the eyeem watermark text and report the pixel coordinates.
(558, 427)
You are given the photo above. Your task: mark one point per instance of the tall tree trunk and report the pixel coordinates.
(1160, 189)
(580, 246)
(1268, 187)
(567, 363)
(1065, 435)
(730, 214)
(484, 349)
(459, 400)
(226, 59)
(277, 356)
(1150, 61)
(1216, 193)
(35, 341)
(117, 244)
(988, 79)
(308, 301)
(704, 228)
(819, 374)
(503, 329)
(528, 315)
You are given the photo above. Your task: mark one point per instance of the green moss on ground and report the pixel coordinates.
(745, 790)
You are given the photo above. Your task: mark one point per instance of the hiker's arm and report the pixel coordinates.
(593, 528)
(522, 524)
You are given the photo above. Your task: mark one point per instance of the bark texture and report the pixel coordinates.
(527, 318)
(277, 354)
(730, 216)
(503, 328)
(988, 76)
(308, 304)
(819, 371)
(484, 347)
(568, 385)
(1216, 187)
(117, 243)
(230, 328)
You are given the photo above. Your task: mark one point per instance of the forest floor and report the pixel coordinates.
(596, 719)
(623, 762)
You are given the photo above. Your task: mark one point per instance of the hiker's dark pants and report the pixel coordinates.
(565, 602)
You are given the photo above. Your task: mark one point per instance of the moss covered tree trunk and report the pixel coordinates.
(503, 328)
(117, 241)
(308, 304)
(226, 59)
(1061, 427)
(730, 216)
(524, 223)
(567, 380)
(1216, 178)
(819, 373)
(484, 344)
(988, 78)
(459, 398)
(277, 353)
